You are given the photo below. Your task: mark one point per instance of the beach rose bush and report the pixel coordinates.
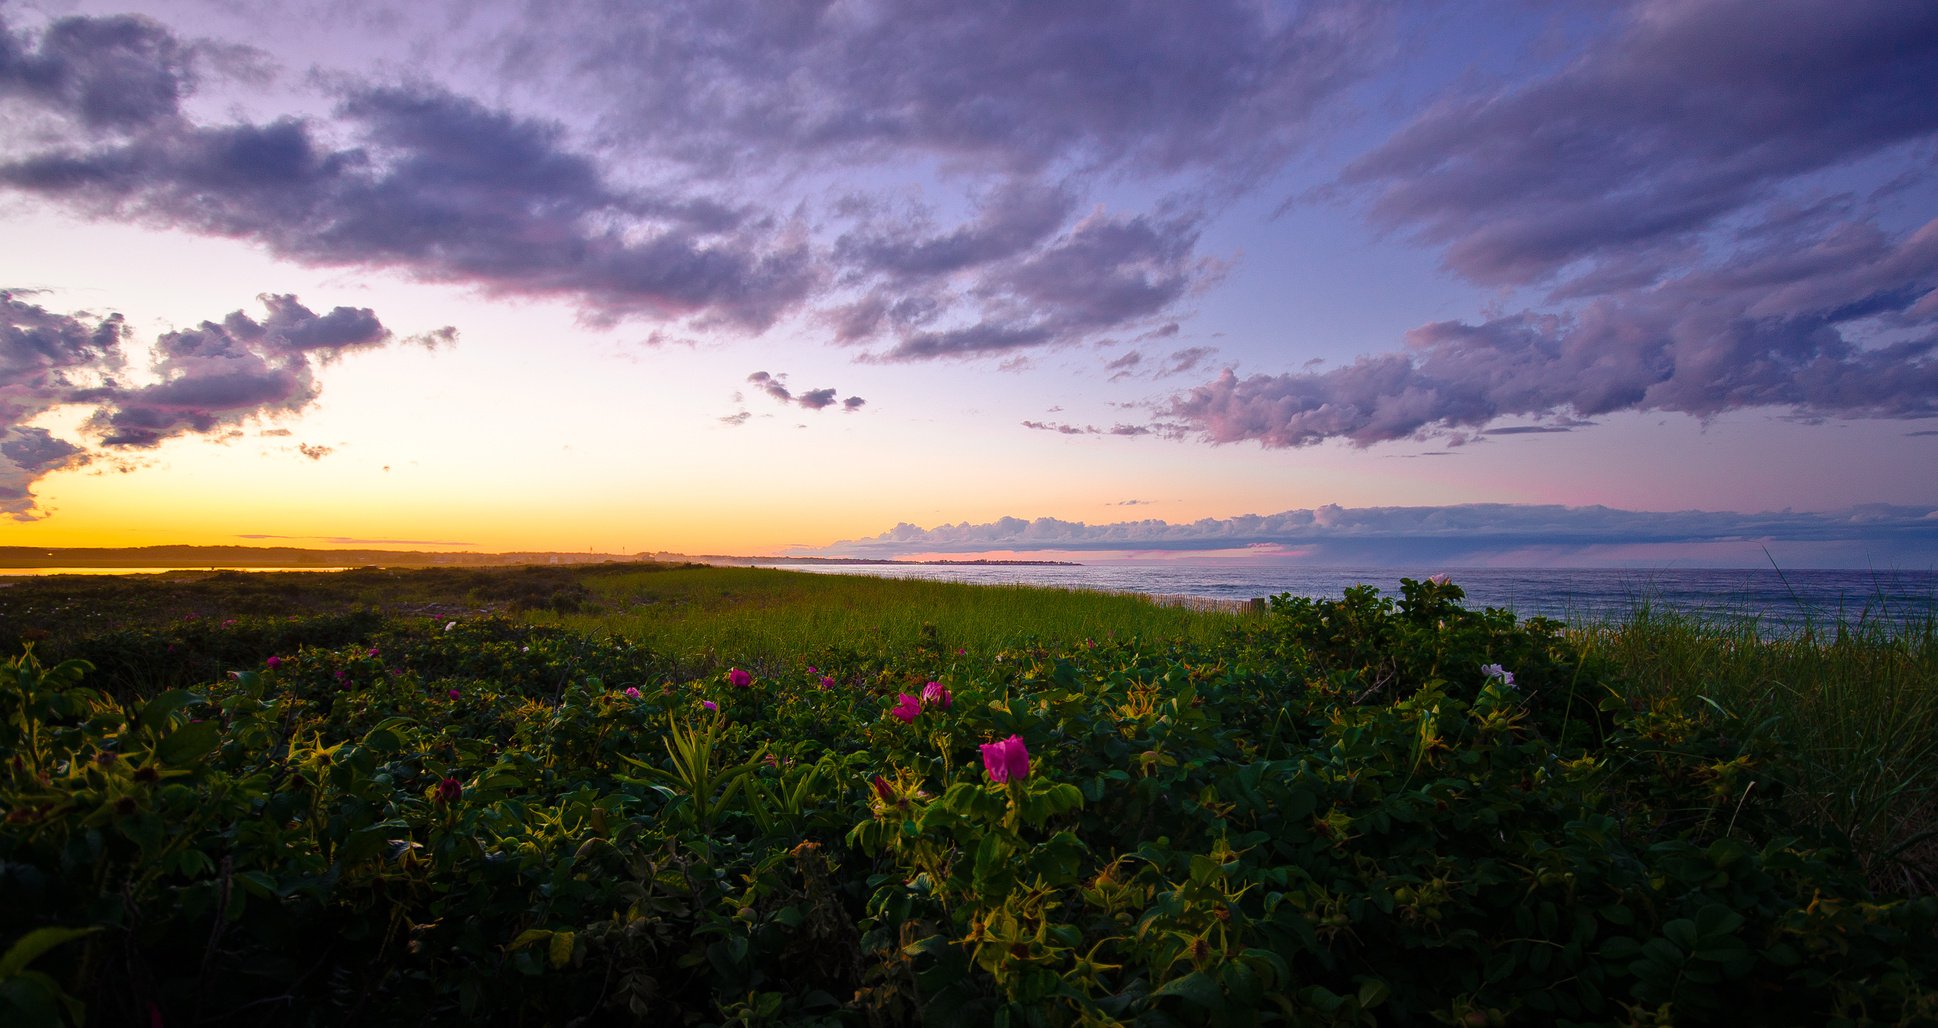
(1340, 814)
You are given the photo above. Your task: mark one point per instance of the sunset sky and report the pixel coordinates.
(1574, 283)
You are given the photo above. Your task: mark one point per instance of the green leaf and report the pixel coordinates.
(1195, 988)
(154, 714)
(33, 944)
(559, 952)
(529, 936)
(189, 744)
(1716, 919)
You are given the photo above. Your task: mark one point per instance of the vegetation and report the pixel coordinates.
(727, 796)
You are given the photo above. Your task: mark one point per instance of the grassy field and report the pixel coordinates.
(657, 794)
(766, 617)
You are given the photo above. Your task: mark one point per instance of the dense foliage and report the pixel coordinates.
(1347, 812)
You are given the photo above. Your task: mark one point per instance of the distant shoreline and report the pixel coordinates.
(163, 558)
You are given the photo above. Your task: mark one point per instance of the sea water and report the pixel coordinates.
(1779, 601)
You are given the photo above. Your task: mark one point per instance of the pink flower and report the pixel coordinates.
(449, 790)
(632, 691)
(739, 679)
(1006, 761)
(372, 654)
(935, 694)
(882, 789)
(827, 681)
(453, 694)
(1440, 579)
(906, 707)
(273, 663)
(709, 706)
(812, 670)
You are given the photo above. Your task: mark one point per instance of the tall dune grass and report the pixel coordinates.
(1847, 712)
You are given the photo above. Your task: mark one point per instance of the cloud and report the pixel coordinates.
(314, 451)
(218, 374)
(204, 379)
(1843, 327)
(1682, 117)
(1660, 183)
(771, 385)
(1065, 429)
(815, 399)
(434, 184)
(723, 120)
(812, 399)
(108, 73)
(1384, 535)
(736, 419)
(1187, 359)
(1009, 87)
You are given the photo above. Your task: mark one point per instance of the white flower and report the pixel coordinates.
(450, 625)
(1496, 671)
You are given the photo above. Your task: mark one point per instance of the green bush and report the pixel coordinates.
(1339, 813)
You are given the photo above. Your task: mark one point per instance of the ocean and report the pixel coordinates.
(1780, 602)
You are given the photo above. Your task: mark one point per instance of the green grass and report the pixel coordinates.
(762, 616)
(559, 808)
(1848, 718)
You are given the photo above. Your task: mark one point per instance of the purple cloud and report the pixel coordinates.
(109, 73)
(444, 188)
(1686, 115)
(204, 379)
(1009, 87)
(1383, 534)
(1065, 429)
(1788, 328)
(815, 399)
(435, 184)
(812, 399)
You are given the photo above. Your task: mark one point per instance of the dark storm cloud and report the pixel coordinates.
(207, 378)
(1471, 530)
(1685, 115)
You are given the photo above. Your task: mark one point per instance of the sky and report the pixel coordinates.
(1560, 283)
